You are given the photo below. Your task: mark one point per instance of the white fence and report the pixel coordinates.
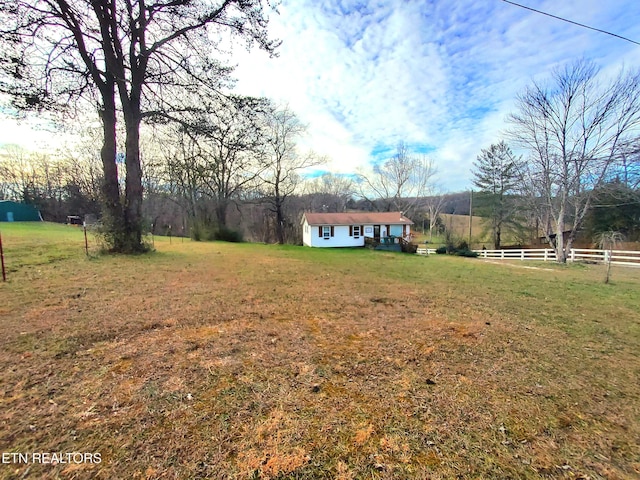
(618, 257)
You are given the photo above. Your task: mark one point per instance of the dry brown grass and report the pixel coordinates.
(458, 226)
(250, 361)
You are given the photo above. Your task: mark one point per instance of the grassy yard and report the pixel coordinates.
(216, 360)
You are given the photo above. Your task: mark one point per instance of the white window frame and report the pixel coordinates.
(326, 232)
(359, 233)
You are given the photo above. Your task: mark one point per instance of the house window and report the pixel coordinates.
(356, 231)
(325, 232)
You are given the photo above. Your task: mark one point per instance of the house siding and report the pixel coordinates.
(342, 231)
(340, 238)
(311, 236)
(306, 234)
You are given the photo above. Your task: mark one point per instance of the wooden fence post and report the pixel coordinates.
(4, 272)
(86, 243)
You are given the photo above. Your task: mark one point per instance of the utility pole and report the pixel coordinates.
(470, 214)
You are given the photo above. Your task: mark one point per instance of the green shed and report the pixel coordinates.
(18, 212)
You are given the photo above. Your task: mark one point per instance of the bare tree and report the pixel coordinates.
(283, 163)
(58, 185)
(608, 241)
(575, 130)
(399, 182)
(628, 172)
(119, 54)
(434, 204)
(212, 158)
(17, 174)
(228, 142)
(329, 192)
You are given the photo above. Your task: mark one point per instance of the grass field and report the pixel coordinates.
(216, 360)
(458, 226)
(481, 234)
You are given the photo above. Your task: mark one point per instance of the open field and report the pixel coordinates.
(459, 224)
(481, 234)
(216, 360)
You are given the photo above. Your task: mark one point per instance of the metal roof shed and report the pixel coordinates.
(11, 211)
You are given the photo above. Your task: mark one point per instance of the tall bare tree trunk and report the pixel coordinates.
(561, 254)
(112, 207)
(279, 214)
(221, 212)
(279, 223)
(133, 188)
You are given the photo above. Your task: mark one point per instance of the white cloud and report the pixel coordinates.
(440, 75)
(30, 134)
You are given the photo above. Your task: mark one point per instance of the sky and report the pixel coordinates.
(440, 76)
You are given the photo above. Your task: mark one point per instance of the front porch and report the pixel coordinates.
(390, 243)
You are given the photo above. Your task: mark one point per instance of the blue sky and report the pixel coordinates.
(439, 75)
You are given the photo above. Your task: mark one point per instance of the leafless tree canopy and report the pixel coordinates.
(329, 192)
(434, 204)
(398, 182)
(577, 130)
(124, 56)
(283, 162)
(58, 185)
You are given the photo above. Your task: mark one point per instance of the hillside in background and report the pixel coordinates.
(458, 226)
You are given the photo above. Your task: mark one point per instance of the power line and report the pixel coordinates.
(571, 21)
(637, 202)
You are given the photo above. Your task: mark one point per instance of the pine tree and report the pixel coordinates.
(495, 173)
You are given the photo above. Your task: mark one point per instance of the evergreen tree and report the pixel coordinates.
(616, 208)
(495, 173)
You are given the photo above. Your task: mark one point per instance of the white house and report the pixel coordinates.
(350, 229)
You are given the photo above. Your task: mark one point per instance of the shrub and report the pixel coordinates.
(466, 253)
(409, 248)
(112, 238)
(228, 235)
(461, 252)
(200, 231)
(462, 245)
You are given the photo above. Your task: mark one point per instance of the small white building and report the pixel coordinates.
(350, 229)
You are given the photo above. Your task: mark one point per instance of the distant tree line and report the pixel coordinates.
(581, 170)
(132, 63)
(58, 187)
(191, 187)
(178, 151)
